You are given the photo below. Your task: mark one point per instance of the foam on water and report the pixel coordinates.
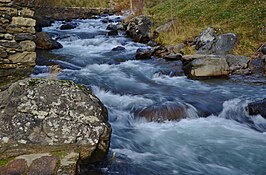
(227, 142)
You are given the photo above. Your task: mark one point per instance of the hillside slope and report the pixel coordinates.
(245, 18)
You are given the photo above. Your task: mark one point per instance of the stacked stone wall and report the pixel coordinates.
(17, 32)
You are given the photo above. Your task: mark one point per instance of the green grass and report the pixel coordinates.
(245, 18)
(4, 162)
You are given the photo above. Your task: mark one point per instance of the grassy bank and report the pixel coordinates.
(245, 18)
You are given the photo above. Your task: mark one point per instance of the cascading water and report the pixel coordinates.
(227, 142)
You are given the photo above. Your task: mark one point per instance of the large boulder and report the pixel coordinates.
(207, 66)
(58, 119)
(208, 42)
(257, 108)
(168, 111)
(45, 42)
(139, 29)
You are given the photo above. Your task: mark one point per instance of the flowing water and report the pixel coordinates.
(227, 142)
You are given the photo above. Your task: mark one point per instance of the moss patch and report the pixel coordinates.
(245, 18)
(4, 162)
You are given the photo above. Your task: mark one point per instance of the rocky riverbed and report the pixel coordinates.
(163, 122)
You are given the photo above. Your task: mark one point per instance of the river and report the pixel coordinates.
(217, 138)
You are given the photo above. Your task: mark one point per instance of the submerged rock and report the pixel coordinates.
(45, 42)
(257, 108)
(41, 116)
(164, 112)
(119, 48)
(207, 66)
(68, 26)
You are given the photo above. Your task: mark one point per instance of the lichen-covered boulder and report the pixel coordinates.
(44, 116)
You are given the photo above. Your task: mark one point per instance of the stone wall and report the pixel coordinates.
(17, 49)
(62, 13)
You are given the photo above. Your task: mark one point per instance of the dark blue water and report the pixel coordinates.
(227, 142)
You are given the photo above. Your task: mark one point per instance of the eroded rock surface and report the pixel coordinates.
(39, 115)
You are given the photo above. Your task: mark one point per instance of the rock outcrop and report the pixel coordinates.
(52, 125)
(139, 29)
(17, 49)
(257, 108)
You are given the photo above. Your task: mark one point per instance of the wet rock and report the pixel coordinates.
(106, 20)
(45, 42)
(144, 53)
(40, 115)
(257, 108)
(139, 29)
(18, 167)
(207, 66)
(168, 111)
(160, 51)
(119, 48)
(68, 26)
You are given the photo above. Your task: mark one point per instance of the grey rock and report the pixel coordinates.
(224, 44)
(46, 113)
(3, 53)
(208, 42)
(236, 62)
(207, 66)
(207, 36)
(139, 29)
